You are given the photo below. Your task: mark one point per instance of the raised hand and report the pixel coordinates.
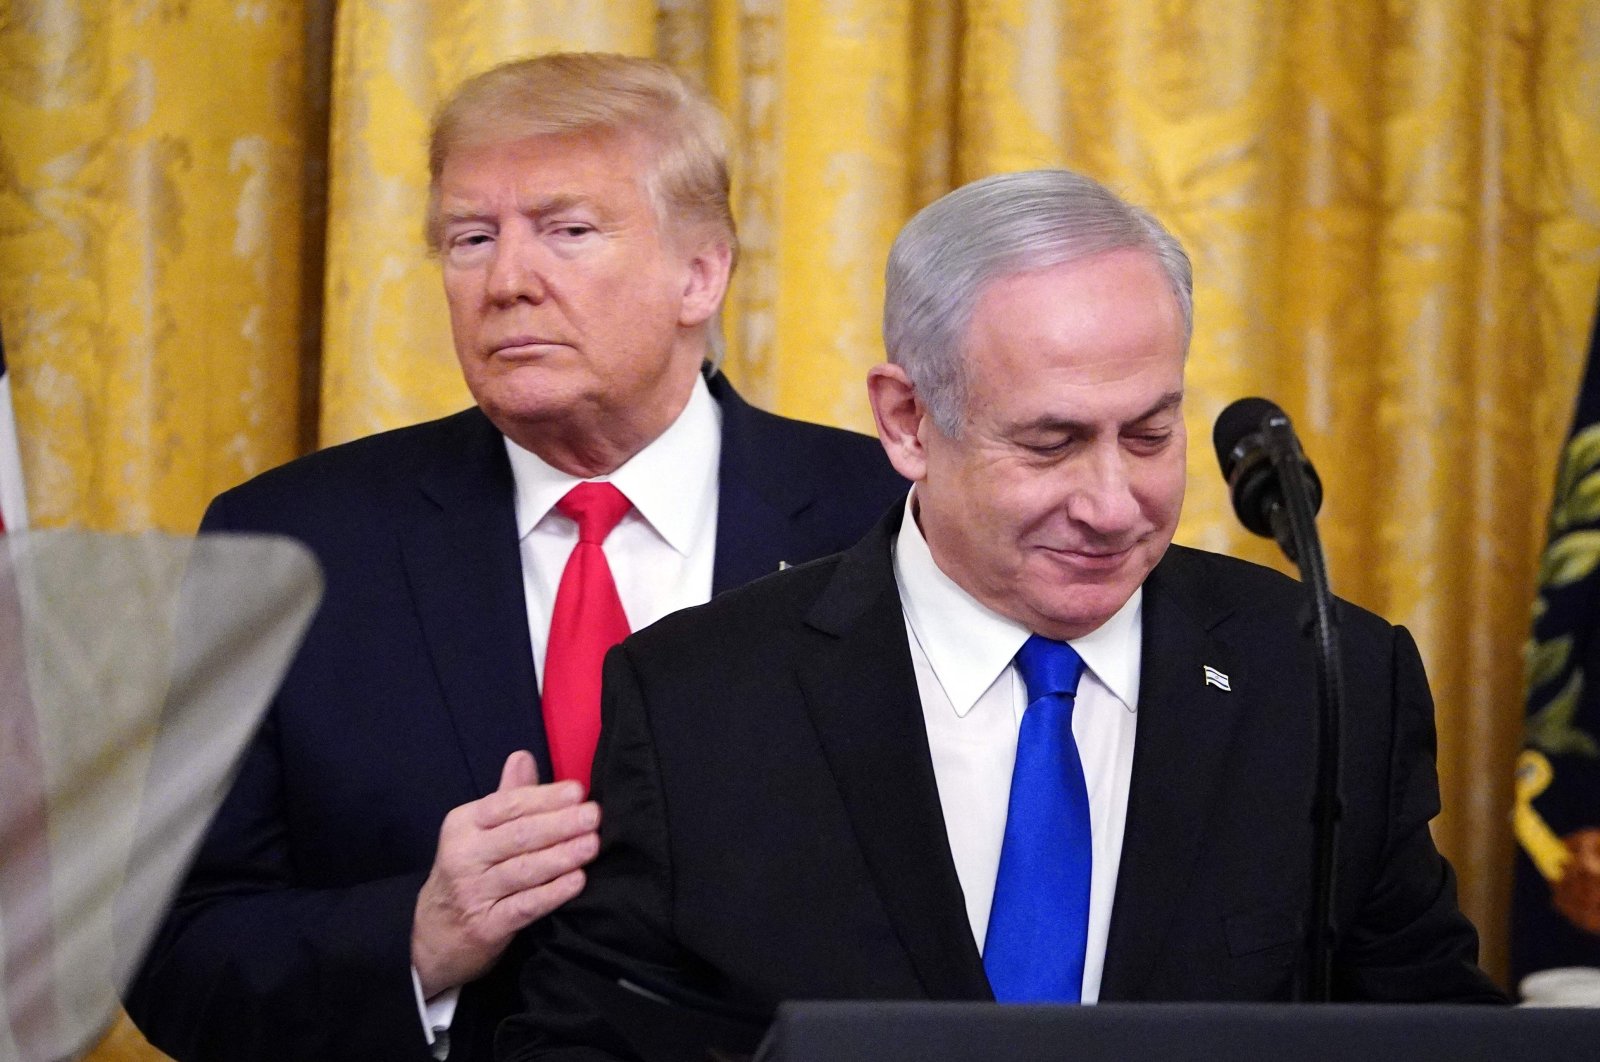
(502, 862)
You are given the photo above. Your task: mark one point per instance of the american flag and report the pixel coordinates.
(13, 503)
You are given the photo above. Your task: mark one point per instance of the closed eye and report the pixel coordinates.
(1055, 448)
(1148, 442)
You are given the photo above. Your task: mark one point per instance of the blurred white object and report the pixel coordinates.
(133, 670)
(1562, 986)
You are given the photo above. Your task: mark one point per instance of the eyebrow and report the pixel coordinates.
(1165, 404)
(554, 204)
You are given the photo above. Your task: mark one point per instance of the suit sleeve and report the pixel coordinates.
(1410, 942)
(249, 964)
(614, 982)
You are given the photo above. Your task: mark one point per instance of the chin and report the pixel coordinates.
(518, 407)
(532, 397)
(1079, 617)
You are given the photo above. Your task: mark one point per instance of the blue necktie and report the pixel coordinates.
(1039, 922)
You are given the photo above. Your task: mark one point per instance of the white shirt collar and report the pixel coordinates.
(968, 644)
(669, 482)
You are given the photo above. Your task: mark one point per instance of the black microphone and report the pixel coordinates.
(1276, 493)
(1243, 451)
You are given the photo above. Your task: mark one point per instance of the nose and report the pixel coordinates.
(515, 273)
(1103, 500)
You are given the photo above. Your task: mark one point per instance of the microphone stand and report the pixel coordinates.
(1294, 527)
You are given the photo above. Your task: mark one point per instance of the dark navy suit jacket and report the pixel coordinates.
(290, 938)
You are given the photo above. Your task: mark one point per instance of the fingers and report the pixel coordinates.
(520, 770)
(506, 804)
(486, 884)
(535, 868)
(535, 832)
(528, 906)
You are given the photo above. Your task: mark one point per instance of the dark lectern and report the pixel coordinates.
(1176, 1032)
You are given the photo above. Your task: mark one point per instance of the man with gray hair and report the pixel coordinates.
(1014, 744)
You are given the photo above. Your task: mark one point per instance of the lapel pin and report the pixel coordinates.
(1217, 679)
(782, 565)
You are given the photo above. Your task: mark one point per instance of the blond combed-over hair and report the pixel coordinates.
(578, 93)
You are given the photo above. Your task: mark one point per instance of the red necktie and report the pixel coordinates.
(587, 620)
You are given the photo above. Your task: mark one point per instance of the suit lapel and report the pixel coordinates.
(759, 495)
(861, 691)
(465, 573)
(751, 530)
(1185, 728)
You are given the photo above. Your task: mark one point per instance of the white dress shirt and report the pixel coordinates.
(660, 554)
(972, 704)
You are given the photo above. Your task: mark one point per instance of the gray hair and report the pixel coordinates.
(999, 227)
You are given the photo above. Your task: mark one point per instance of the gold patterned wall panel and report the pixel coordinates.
(1563, 105)
(837, 150)
(150, 179)
(1440, 503)
(387, 358)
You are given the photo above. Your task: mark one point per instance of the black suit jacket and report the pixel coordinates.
(774, 830)
(290, 938)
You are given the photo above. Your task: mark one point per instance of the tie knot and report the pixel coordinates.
(595, 508)
(1049, 667)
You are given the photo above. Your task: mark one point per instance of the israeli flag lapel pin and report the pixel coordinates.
(1217, 679)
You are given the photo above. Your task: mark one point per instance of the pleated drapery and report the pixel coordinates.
(210, 251)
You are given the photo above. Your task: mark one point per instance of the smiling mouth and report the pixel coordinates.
(1092, 560)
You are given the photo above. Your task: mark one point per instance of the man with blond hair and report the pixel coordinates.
(416, 797)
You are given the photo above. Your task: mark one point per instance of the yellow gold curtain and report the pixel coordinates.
(150, 251)
(1394, 211)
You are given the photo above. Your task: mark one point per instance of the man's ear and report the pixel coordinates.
(900, 417)
(705, 282)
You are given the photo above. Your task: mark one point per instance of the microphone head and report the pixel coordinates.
(1245, 454)
(1235, 424)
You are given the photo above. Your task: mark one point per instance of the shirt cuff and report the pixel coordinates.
(437, 1014)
